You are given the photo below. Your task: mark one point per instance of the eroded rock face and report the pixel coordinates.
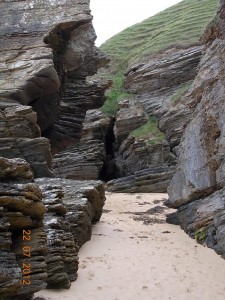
(47, 51)
(136, 155)
(197, 187)
(149, 180)
(158, 79)
(21, 208)
(72, 207)
(159, 85)
(130, 116)
(57, 216)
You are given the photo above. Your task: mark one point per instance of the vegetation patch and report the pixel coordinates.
(150, 132)
(201, 235)
(180, 92)
(178, 26)
(114, 95)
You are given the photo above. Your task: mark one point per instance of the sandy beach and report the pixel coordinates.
(134, 254)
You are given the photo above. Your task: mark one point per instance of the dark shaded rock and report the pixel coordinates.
(172, 219)
(79, 96)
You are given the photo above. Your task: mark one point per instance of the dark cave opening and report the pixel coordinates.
(109, 170)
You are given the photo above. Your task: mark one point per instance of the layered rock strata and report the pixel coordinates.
(72, 207)
(156, 80)
(149, 180)
(197, 188)
(43, 225)
(21, 211)
(47, 51)
(89, 158)
(159, 85)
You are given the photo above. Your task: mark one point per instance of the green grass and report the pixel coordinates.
(180, 92)
(180, 25)
(114, 95)
(149, 132)
(201, 235)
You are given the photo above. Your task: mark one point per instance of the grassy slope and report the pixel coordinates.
(181, 24)
(149, 132)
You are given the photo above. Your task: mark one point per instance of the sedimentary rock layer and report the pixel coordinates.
(150, 180)
(43, 225)
(197, 188)
(47, 51)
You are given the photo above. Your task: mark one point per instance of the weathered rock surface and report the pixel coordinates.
(97, 126)
(72, 207)
(55, 229)
(20, 138)
(150, 180)
(14, 169)
(155, 82)
(158, 79)
(47, 51)
(21, 208)
(81, 161)
(79, 97)
(170, 68)
(197, 188)
(130, 116)
(35, 151)
(173, 122)
(137, 154)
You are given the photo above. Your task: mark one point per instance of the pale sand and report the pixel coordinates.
(127, 260)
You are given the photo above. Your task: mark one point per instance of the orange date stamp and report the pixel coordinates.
(26, 267)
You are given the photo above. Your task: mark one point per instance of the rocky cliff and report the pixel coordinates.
(47, 52)
(197, 188)
(158, 87)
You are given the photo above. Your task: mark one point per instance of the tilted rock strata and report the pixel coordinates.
(171, 68)
(130, 116)
(156, 81)
(21, 208)
(138, 154)
(197, 188)
(58, 225)
(81, 161)
(150, 180)
(47, 51)
(79, 97)
(72, 207)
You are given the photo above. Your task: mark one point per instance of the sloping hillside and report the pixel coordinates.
(179, 25)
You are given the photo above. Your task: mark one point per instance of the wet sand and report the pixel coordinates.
(134, 254)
